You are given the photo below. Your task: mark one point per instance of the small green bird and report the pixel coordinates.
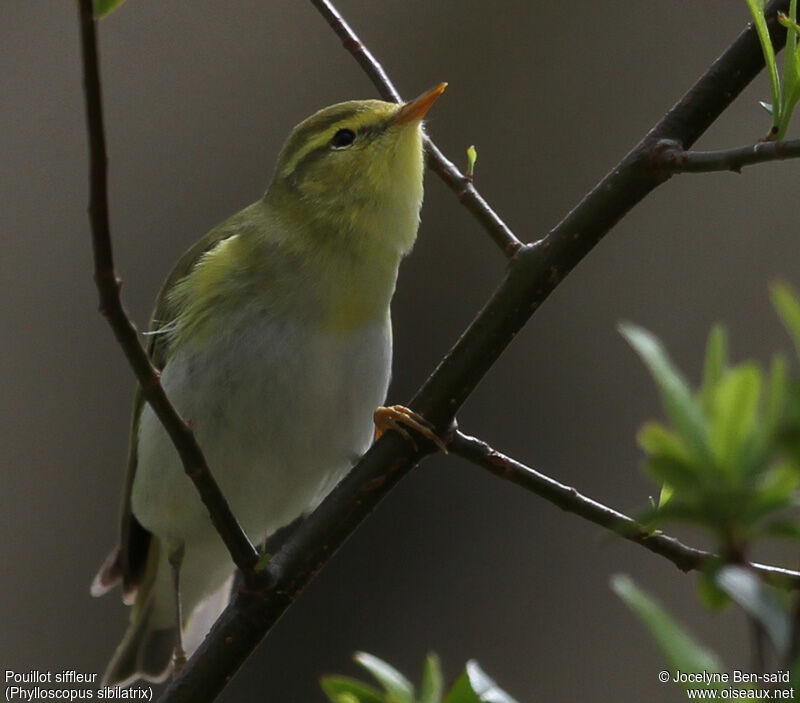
(273, 336)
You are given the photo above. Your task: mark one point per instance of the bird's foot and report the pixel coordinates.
(398, 418)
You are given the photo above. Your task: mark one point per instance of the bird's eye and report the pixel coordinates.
(343, 139)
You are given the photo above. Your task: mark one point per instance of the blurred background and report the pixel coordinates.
(199, 97)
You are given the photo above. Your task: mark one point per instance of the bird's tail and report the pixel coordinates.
(149, 642)
(148, 645)
(144, 653)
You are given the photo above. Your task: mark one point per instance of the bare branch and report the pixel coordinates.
(108, 285)
(437, 161)
(673, 159)
(533, 273)
(569, 499)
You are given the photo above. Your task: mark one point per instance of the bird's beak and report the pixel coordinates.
(415, 110)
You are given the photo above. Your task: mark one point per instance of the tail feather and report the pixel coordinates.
(109, 574)
(147, 647)
(149, 642)
(144, 653)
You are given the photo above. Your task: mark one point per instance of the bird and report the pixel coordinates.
(273, 338)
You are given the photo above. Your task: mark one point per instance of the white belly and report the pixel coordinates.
(281, 414)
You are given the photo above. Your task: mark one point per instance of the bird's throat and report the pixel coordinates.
(350, 262)
(356, 293)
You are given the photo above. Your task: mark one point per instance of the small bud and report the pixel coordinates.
(788, 22)
(472, 158)
(263, 561)
(102, 8)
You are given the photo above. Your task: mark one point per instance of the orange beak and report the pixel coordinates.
(415, 110)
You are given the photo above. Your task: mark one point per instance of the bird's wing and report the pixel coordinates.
(127, 563)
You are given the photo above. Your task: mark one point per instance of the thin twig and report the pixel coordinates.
(437, 161)
(533, 273)
(108, 285)
(569, 499)
(672, 158)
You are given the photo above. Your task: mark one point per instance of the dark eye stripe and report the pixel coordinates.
(365, 133)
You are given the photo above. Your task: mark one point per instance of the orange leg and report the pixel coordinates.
(398, 417)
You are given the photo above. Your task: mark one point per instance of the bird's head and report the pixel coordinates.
(354, 171)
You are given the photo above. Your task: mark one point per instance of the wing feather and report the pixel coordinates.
(127, 563)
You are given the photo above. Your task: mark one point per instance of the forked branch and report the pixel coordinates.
(462, 186)
(567, 498)
(534, 271)
(672, 158)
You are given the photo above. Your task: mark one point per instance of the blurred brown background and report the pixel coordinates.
(199, 96)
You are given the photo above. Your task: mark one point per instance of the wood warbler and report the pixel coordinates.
(274, 339)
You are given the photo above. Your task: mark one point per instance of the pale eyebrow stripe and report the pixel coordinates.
(325, 130)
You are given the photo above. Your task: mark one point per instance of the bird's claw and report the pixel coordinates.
(398, 418)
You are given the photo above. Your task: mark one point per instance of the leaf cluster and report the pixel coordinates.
(785, 88)
(729, 454)
(472, 686)
(681, 650)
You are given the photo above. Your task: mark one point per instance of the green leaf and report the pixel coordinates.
(789, 529)
(673, 473)
(676, 510)
(711, 595)
(432, 681)
(777, 486)
(786, 302)
(475, 686)
(666, 494)
(734, 414)
(760, 22)
(679, 648)
(488, 691)
(791, 67)
(778, 388)
(263, 561)
(791, 97)
(103, 8)
(716, 363)
(789, 425)
(790, 22)
(656, 439)
(679, 404)
(668, 460)
(397, 686)
(754, 598)
(462, 692)
(339, 688)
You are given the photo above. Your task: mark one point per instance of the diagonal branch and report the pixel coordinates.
(533, 273)
(569, 499)
(108, 287)
(673, 159)
(437, 161)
